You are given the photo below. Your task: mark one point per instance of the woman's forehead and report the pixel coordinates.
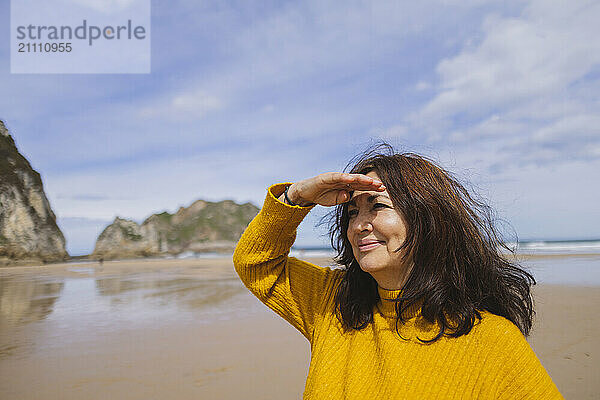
(372, 174)
(369, 196)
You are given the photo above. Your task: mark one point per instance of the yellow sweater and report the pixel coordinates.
(494, 361)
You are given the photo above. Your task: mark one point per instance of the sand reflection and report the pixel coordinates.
(22, 301)
(27, 300)
(189, 293)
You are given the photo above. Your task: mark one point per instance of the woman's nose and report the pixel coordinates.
(362, 223)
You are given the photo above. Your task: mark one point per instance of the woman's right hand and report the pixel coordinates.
(330, 188)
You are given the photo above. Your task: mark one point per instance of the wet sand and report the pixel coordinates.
(154, 337)
(258, 358)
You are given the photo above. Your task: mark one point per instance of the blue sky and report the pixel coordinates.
(245, 94)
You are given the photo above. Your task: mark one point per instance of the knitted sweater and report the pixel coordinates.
(493, 361)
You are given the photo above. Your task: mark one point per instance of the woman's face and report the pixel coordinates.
(376, 230)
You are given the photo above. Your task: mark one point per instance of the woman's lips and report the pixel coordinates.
(370, 246)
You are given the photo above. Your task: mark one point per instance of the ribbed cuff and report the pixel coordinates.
(281, 218)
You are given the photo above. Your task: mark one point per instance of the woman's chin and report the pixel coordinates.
(369, 267)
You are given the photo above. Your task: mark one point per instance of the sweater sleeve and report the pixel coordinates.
(294, 289)
(522, 374)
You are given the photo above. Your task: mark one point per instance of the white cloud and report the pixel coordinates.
(523, 88)
(584, 126)
(318, 38)
(536, 55)
(422, 85)
(189, 106)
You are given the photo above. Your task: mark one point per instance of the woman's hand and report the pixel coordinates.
(330, 188)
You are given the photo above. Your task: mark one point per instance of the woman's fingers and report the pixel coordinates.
(332, 188)
(364, 182)
(355, 181)
(341, 197)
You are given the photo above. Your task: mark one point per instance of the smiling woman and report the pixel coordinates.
(377, 232)
(423, 306)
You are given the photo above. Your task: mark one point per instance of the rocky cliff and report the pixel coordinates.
(202, 227)
(28, 230)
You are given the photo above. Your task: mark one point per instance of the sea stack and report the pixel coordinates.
(202, 227)
(28, 230)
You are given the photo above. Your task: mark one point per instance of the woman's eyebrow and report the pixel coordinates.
(370, 199)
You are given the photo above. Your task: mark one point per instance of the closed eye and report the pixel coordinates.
(379, 205)
(354, 212)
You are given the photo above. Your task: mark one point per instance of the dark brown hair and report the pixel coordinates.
(452, 241)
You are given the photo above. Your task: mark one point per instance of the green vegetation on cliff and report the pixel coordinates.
(203, 226)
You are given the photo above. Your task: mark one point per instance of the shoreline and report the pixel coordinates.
(79, 261)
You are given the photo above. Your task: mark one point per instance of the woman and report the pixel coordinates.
(424, 305)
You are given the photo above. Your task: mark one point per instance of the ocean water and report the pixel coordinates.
(568, 262)
(541, 247)
(525, 247)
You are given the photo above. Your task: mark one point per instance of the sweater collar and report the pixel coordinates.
(387, 305)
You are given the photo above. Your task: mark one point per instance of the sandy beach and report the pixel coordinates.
(250, 354)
